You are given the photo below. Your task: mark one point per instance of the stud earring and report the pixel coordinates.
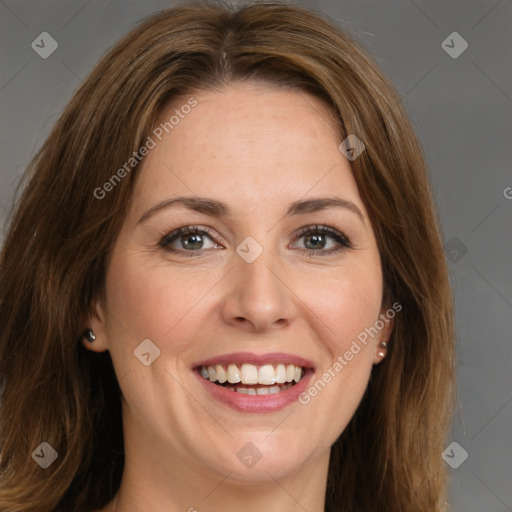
(89, 335)
(383, 344)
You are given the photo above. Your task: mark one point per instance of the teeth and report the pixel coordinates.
(266, 375)
(250, 374)
(222, 375)
(260, 391)
(233, 374)
(280, 374)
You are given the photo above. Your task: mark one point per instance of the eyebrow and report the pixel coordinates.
(219, 209)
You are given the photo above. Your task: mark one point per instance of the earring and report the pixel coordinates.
(383, 344)
(89, 335)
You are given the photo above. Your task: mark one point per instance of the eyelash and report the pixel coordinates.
(339, 237)
(177, 233)
(336, 235)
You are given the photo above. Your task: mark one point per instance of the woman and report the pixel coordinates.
(224, 284)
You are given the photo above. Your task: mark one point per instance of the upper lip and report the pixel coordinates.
(255, 359)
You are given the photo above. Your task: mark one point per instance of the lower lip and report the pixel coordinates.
(257, 403)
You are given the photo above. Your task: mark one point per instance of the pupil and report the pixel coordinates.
(316, 240)
(192, 241)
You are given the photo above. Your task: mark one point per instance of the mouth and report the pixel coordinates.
(251, 379)
(255, 383)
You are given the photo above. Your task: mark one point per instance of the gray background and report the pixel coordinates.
(461, 109)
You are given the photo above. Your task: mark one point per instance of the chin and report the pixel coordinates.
(256, 459)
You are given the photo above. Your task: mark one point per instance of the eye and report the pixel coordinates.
(188, 239)
(322, 240)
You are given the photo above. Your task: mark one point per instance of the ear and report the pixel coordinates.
(381, 342)
(96, 323)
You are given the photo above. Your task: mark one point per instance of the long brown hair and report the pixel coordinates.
(53, 261)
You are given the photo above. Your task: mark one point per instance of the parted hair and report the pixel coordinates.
(60, 235)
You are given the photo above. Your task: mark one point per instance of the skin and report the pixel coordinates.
(257, 149)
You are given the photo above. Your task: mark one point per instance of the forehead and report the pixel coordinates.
(246, 142)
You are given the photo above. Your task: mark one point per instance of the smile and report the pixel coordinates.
(250, 379)
(254, 383)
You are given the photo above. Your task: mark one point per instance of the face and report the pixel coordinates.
(247, 258)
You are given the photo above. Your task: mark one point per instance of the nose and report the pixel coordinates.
(258, 297)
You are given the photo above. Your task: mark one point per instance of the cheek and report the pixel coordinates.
(151, 302)
(345, 303)
(133, 299)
